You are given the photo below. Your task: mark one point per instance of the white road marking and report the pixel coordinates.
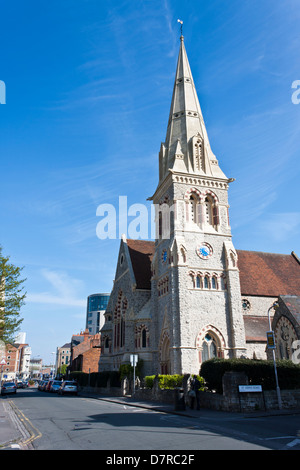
(15, 446)
(293, 443)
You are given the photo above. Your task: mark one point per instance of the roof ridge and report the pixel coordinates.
(269, 253)
(296, 257)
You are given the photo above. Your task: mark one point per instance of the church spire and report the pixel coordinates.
(186, 126)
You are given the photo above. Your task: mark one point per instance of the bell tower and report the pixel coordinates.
(196, 299)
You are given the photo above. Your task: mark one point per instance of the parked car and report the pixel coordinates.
(8, 387)
(68, 387)
(55, 385)
(19, 384)
(42, 385)
(25, 383)
(48, 386)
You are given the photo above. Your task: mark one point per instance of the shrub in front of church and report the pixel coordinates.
(149, 380)
(259, 372)
(168, 382)
(164, 381)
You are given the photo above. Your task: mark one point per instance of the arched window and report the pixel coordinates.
(119, 322)
(206, 282)
(208, 211)
(193, 209)
(209, 348)
(183, 255)
(141, 337)
(192, 277)
(144, 338)
(160, 223)
(214, 284)
(198, 282)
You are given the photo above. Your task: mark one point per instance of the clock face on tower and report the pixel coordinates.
(204, 251)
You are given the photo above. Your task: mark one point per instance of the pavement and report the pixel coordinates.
(10, 432)
(15, 435)
(188, 412)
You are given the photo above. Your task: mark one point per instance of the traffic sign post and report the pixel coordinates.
(133, 362)
(271, 345)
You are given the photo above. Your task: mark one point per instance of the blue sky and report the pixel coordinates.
(88, 92)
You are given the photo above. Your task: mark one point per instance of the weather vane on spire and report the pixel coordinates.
(181, 23)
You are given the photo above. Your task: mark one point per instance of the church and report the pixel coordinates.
(190, 295)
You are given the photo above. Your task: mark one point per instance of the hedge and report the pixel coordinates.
(168, 381)
(259, 372)
(96, 379)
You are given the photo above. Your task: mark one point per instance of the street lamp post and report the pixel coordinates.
(274, 306)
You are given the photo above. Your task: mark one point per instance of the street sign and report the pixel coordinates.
(133, 359)
(270, 340)
(3, 362)
(250, 388)
(133, 362)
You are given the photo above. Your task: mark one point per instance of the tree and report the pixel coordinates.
(12, 298)
(62, 370)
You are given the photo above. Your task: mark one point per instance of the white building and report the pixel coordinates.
(96, 306)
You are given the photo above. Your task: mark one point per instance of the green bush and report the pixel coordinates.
(167, 382)
(149, 379)
(259, 372)
(170, 381)
(126, 370)
(164, 381)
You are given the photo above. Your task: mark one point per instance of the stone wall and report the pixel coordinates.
(231, 400)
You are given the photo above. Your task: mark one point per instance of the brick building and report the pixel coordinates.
(17, 358)
(85, 352)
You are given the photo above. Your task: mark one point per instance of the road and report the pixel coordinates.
(80, 423)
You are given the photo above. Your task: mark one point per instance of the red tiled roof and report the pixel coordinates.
(141, 254)
(268, 274)
(263, 274)
(256, 328)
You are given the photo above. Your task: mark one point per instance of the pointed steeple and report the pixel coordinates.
(186, 126)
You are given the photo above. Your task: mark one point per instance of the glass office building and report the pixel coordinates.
(96, 306)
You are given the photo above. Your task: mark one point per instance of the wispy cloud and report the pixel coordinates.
(63, 290)
(280, 227)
